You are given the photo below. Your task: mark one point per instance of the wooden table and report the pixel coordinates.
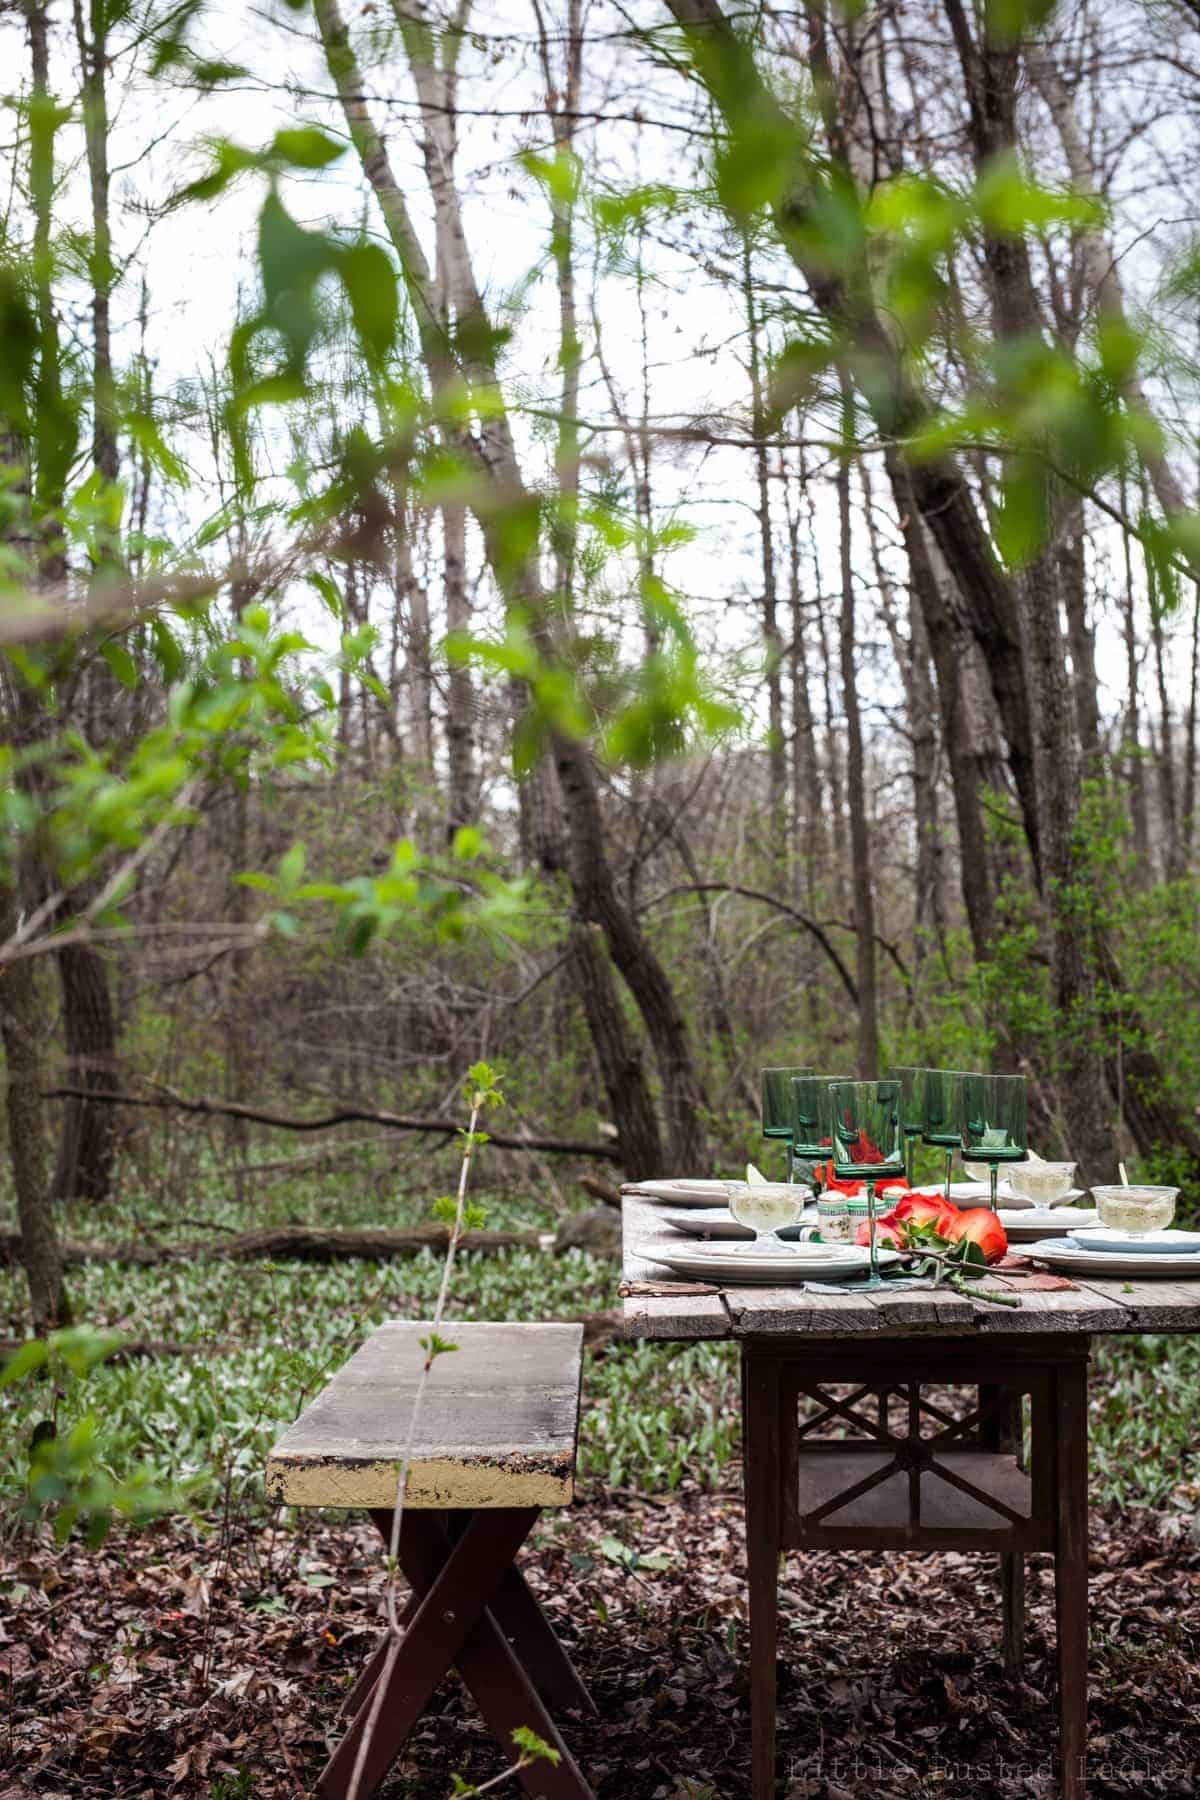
(929, 1478)
(495, 1443)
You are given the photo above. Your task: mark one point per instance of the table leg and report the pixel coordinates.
(1004, 1430)
(760, 1386)
(1070, 1575)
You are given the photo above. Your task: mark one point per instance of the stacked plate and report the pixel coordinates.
(718, 1222)
(687, 1192)
(739, 1266)
(1104, 1251)
(978, 1193)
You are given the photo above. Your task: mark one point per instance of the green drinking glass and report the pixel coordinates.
(777, 1106)
(993, 1122)
(868, 1144)
(812, 1117)
(943, 1124)
(912, 1110)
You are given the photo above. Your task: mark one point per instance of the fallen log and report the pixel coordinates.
(343, 1115)
(288, 1243)
(600, 1331)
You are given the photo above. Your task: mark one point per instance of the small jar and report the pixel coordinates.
(835, 1221)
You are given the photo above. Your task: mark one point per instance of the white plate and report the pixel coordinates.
(1023, 1226)
(737, 1267)
(719, 1222)
(681, 1193)
(1153, 1243)
(972, 1193)
(1074, 1259)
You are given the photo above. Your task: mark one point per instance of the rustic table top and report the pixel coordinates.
(1117, 1305)
(497, 1426)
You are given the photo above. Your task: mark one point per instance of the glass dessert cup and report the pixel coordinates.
(1042, 1183)
(1135, 1210)
(766, 1208)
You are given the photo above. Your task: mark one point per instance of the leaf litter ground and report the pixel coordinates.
(196, 1659)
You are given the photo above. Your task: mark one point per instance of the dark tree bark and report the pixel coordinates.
(618, 1054)
(1072, 574)
(1135, 774)
(860, 848)
(912, 661)
(462, 794)
(1188, 823)
(22, 1028)
(684, 1100)
(88, 1144)
(772, 641)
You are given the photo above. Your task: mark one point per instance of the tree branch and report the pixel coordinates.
(344, 1115)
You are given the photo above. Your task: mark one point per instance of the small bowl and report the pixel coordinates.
(1136, 1209)
(1041, 1183)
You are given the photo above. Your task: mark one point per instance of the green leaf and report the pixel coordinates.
(305, 147)
(530, 1744)
(120, 662)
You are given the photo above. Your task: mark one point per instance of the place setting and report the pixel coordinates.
(849, 1211)
(1132, 1236)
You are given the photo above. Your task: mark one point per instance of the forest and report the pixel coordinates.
(580, 549)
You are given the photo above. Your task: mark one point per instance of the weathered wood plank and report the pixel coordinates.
(498, 1424)
(771, 1311)
(1066, 1310)
(691, 1316)
(924, 1309)
(1151, 1305)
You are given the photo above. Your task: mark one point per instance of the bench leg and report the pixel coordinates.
(457, 1590)
(457, 1575)
(762, 1481)
(499, 1684)
(1070, 1577)
(521, 1620)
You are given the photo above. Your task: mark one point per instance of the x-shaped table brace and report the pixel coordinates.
(470, 1609)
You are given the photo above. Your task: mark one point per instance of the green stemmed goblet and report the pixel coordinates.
(912, 1110)
(993, 1122)
(777, 1106)
(812, 1119)
(943, 1124)
(867, 1144)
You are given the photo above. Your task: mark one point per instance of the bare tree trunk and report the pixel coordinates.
(618, 1054)
(990, 71)
(463, 798)
(772, 642)
(912, 660)
(1167, 798)
(1188, 823)
(807, 825)
(860, 847)
(22, 1029)
(1072, 574)
(1135, 775)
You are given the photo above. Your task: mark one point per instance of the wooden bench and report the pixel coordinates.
(495, 1443)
